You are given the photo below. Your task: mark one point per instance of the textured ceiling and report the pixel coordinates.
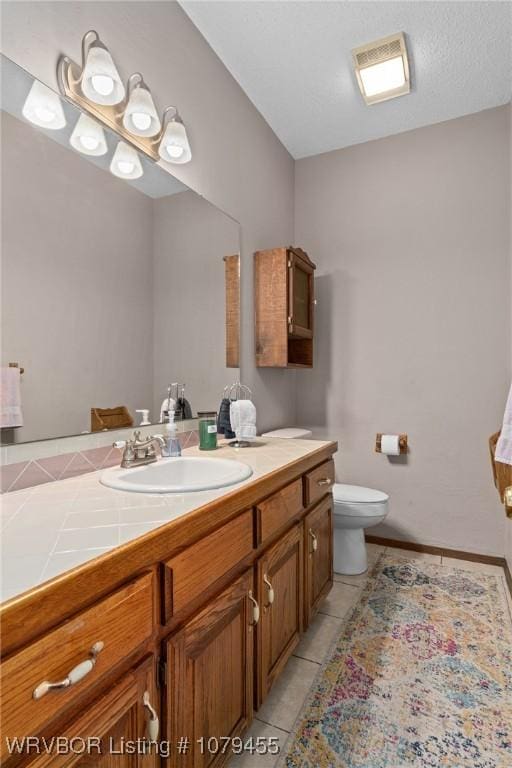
(293, 59)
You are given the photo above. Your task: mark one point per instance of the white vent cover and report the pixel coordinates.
(382, 68)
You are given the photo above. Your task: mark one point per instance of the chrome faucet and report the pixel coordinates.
(137, 452)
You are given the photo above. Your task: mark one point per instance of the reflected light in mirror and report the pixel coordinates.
(174, 146)
(42, 107)
(88, 137)
(126, 162)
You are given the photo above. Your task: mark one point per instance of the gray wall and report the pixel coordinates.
(238, 163)
(190, 239)
(411, 235)
(76, 284)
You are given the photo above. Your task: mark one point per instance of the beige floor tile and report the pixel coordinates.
(468, 565)
(341, 599)
(319, 638)
(286, 698)
(268, 736)
(410, 554)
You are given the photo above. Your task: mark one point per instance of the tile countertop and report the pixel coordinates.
(51, 528)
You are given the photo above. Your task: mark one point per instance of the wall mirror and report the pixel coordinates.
(114, 288)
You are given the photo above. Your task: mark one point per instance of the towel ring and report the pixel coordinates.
(239, 389)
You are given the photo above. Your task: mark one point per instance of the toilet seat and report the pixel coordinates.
(356, 500)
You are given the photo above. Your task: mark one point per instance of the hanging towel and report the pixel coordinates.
(10, 398)
(504, 444)
(243, 419)
(223, 420)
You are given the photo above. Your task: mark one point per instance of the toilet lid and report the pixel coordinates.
(357, 494)
(289, 432)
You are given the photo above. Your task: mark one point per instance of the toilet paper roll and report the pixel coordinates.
(390, 445)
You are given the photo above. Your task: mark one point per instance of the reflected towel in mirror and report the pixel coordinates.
(10, 398)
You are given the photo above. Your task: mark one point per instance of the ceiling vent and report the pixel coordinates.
(382, 68)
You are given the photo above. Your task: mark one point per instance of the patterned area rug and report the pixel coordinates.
(421, 676)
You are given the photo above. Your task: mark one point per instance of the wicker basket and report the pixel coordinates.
(110, 418)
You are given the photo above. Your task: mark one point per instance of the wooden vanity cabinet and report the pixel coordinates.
(284, 307)
(279, 574)
(216, 605)
(318, 537)
(209, 679)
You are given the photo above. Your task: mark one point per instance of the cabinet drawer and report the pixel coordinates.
(274, 512)
(196, 568)
(318, 482)
(122, 622)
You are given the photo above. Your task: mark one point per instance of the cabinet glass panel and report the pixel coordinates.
(301, 299)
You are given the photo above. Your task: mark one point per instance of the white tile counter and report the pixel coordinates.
(51, 528)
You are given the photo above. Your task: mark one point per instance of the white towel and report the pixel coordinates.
(242, 414)
(504, 444)
(167, 404)
(10, 398)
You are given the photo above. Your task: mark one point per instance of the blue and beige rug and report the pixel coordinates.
(421, 676)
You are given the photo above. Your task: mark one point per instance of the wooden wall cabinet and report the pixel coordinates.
(284, 308)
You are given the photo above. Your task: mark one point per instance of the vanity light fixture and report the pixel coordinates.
(174, 146)
(42, 107)
(100, 80)
(382, 69)
(126, 162)
(140, 116)
(97, 89)
(88, 137)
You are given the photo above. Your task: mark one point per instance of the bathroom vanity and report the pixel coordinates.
(191, 622)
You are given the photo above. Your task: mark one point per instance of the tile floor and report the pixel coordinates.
(278, 714)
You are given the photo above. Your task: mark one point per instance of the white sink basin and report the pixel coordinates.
(178, 475)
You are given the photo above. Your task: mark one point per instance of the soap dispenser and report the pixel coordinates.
(172, 443)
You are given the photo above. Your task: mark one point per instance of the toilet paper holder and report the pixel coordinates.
(402, 442)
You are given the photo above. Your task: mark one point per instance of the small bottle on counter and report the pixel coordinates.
(207, 430)
(172, 442)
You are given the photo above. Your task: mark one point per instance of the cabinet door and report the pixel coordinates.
(318, 537)
(300, 296)
(280, 595)
(112, 731)
(210, 676)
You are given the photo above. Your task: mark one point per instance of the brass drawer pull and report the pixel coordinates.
(255, 609)
(270, 589)
(153, 722)
(77, 673)
(314, 540)
(324, 481)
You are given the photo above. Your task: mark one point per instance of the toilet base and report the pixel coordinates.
(350, 551)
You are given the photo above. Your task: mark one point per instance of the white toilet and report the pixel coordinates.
(355, 508)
